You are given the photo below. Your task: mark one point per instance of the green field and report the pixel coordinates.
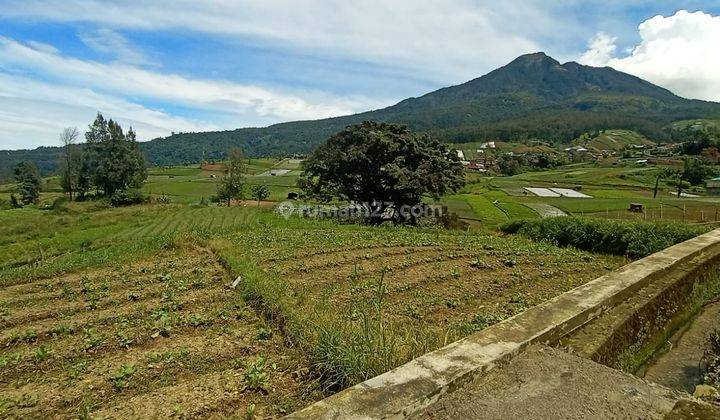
(133, 301)
(117, 297)
(189, 185)
(616, 140)
(496, 200)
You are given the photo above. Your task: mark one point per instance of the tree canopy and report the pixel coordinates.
(29, 181)
(113, 157)
(381, 165)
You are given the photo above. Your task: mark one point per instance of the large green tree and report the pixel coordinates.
(113, 157)
(382, 167)
(29, 181)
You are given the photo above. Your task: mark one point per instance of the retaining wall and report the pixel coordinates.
(420, 382)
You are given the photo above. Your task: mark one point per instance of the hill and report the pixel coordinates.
(616, 140)
(534, 96)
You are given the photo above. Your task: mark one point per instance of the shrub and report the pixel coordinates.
(59, 204)
(636, 239)
(163, 199)
(127, 198)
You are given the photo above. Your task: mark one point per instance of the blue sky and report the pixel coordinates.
(183, 65)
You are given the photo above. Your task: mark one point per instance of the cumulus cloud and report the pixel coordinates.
(600, 50)
(679, 52)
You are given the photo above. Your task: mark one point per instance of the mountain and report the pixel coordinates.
(534, 96)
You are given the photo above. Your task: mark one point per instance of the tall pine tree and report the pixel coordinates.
(113, 157)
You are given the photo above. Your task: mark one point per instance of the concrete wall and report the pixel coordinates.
(420, 382)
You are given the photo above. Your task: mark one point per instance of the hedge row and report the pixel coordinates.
(636, 239)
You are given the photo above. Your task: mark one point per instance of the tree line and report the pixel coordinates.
(109, 164)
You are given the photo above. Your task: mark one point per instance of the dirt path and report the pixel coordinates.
(679, 367)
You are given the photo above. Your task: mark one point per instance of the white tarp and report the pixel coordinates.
(567, 192)
(542, 192)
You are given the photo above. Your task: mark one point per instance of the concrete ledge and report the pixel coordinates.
(420, 382)
(628, 334)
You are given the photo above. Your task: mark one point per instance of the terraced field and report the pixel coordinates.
(186, 219)
(362, 301)
(163, 337)
(127, 312)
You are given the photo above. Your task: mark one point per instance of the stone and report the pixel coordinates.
(705, 391)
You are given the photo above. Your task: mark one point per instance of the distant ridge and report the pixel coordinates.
(534, 96)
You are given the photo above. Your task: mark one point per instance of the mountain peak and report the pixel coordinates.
(535, 59)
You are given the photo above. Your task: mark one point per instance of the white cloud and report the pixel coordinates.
(72, 90)
(600, 50)
(678, 52)
(441, 40)
(249, 100)
(33, 113)
(109, 42)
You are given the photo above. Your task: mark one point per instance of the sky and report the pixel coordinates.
(165, 66)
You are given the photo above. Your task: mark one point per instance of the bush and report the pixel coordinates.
(14, 203)
(127, 198)
(163, 199)
(635, 239)
(59, 204)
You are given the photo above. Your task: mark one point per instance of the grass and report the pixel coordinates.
(188, 185)
(149, 329)
(491, 208)
(613, 189)
(87, 291)
(359, 301)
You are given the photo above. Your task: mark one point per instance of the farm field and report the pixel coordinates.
(496, 200)
(363, 300)
(128, 310)
(187, 185)
(125, 312)
(160, 337)
(616, 140)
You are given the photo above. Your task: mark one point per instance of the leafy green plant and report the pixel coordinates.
(42, 353)
(250, 412)
(92, 339)
(30, 336)
(256, 377)
(120, 379)
(125, 339)
(263, 333)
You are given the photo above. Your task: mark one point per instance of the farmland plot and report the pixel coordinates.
(163, 337)
(364, 300)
